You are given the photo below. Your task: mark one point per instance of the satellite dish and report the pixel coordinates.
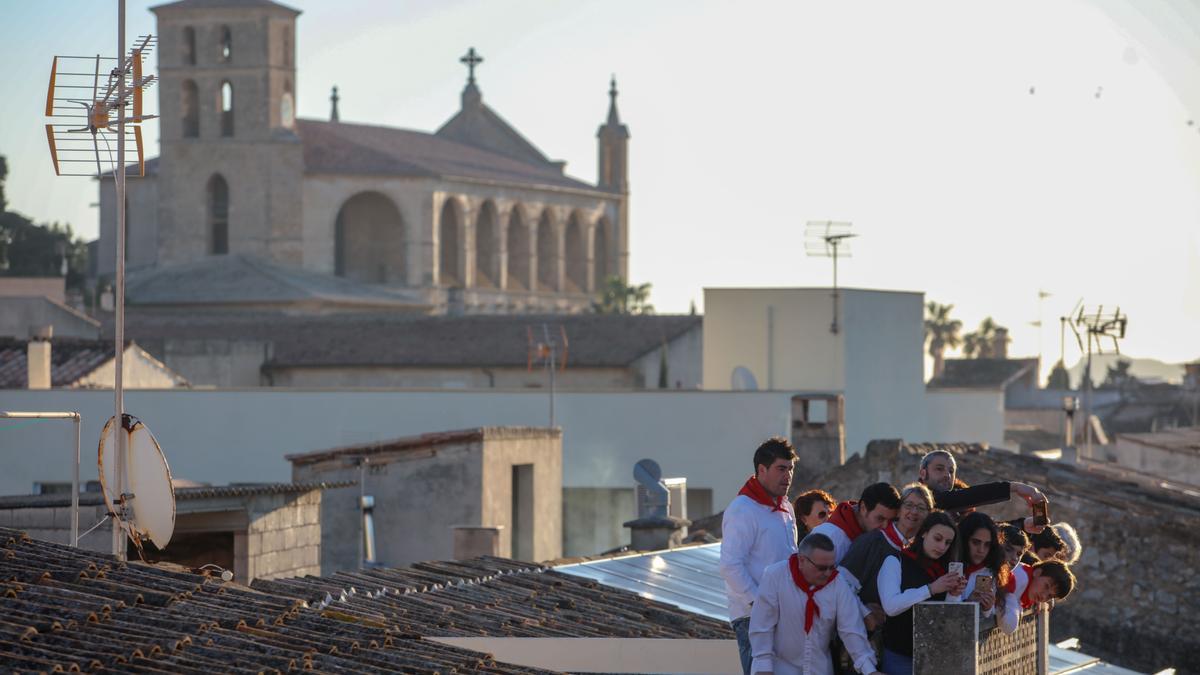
(151, 506)
(647, 472)
(743, 380)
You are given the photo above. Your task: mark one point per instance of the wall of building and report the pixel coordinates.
(453, 378)
(140, 370)
(504, 449)
(283, 538)
(1177, 464)
(685, 363)
(213, 363)
(54, 288)
(20, 315)
(965, 416)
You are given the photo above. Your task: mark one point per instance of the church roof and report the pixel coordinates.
(478, 125)
(243, 279)
(411, 340)
(223, 4)
(340, 147)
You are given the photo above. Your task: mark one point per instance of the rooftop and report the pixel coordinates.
(1183, 439)
(983, 373)
(424, 441)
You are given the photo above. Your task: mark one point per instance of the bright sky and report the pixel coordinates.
(913, 120)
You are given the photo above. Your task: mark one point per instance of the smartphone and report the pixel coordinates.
(955, 568)
(1041, 513)
(983, 583)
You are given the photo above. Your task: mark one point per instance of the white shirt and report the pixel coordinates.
(1010, 615)
(895, 601)
(971, 587)
(777, 638)
(841, 541)
(753, 537)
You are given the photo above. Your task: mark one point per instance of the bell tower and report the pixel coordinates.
(230, 169)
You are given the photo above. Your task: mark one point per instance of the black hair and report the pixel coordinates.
(879, 493)
(932, 520)
(773, 449)
(1048, 538)
(1012, 535)
(995, 561)
(1058, 572)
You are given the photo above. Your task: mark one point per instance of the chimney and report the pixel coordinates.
(655, 528)
(38, 357)
(1000, 344)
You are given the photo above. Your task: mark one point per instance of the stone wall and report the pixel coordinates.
(1137, 585)
(284, 537)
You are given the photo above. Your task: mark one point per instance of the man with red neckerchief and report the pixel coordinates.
(758, 530)
(802, 602)
(1029, 585)
(877, 506)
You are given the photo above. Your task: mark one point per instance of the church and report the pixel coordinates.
(248, 207)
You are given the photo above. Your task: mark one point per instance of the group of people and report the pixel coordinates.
(817, 587)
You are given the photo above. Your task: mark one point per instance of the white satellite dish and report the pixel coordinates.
(150, 512)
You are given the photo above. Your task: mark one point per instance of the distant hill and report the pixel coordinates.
(1143, 369)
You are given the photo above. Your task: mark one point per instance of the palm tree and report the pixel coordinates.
(941, 332)
(981, 343)
(618, 297)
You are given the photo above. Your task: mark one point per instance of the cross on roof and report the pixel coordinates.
(471, 59)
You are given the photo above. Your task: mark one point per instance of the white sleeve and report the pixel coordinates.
(764, 616)
(736, 542)
(895, 601)
(1010, 615)
(854, 633)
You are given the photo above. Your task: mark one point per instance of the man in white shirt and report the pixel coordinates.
(878, 505)
(801, 602)
(758, 529)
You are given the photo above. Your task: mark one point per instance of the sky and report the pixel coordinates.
(983, 151)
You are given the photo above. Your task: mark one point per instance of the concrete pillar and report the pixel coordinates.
(944, 638)
(37, 355)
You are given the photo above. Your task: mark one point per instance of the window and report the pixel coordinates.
(226, 108)
(218, 215)
(191, 115)
(189, 46)
(287, 45)
(226, 44)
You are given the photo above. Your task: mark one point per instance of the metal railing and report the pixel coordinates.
(73, 416)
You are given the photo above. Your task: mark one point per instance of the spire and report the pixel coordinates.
(613, 118)
(471, 96)
(333, 98)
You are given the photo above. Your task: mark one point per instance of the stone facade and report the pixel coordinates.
(1137, 585)
(238, 173)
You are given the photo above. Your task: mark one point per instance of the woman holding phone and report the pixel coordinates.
(986, 567)
(916, 574)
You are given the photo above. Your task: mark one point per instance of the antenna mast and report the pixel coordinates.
(547, 352)
(1098, 325)
(829, 239)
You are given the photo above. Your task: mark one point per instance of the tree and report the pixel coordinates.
(941, 332)
(618, 297)
(31, 250)
(982, 342)
(1059, 378)
(1118, 376)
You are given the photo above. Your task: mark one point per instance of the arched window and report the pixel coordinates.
(518, 250)
(576, 254)
(600, 254)
(226, 44)
(226, 108)
(547, 254)
(369, 240)
(189, 46)
(218, 216)
(287, 46)
(448, 245)
(189, 104)
(487, 260)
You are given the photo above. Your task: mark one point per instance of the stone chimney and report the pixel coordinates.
(38, 357)
(1000, 344)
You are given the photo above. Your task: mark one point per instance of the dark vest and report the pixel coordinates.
(898, 630)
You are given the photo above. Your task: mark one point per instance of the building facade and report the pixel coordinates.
(472, 218)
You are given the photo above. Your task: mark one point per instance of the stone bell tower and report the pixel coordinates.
(613, 175)
(230, 172)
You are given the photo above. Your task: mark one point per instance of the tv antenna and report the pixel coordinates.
(546, 352)
(97, 97)
(1097, 326)
(829, 239)
(136, 482)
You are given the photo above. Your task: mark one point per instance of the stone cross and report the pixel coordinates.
(471, 59)
(333, 98)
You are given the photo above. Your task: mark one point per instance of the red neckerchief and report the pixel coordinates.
(893, 535)
(754, 490)
(1011, 586)
(810, 608)
(846, 520)
(933, 569)
(973, 569)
